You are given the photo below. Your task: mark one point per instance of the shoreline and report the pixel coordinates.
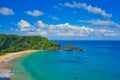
(5, 73)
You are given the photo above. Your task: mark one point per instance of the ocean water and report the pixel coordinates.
(99, 61)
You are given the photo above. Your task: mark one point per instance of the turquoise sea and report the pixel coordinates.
(99, 61)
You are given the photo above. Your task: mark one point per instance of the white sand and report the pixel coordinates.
(5, 59)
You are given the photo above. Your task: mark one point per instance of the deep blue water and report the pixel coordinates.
(99, 61)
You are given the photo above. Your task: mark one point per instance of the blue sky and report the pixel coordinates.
(61, 19)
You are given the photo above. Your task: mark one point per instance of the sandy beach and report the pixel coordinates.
(5, 59)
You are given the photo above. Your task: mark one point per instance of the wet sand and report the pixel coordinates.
(5, 73)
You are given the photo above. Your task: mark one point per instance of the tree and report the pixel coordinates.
(12, 43)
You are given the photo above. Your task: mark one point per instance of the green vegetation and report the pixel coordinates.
(69, 47)
(13, 43)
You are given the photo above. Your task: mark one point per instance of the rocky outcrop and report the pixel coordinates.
(69, 47)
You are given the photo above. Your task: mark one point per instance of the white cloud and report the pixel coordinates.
(101, 22)
(89, 8)
(70, 30)
(24, 25)
(105, 31)
(65, 29)
(34, 13)
(54, 30)
(37, 32)
(41, 24)
(6, 11)
(55, 18)
(104, 23)
(111, 34)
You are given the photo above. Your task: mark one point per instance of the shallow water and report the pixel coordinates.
(99, 61)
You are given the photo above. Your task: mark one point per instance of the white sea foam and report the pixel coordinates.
(5, 73)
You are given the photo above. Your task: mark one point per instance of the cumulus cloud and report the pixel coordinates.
(89, 8)
(66, 29)
(44, 29)
(41, 24)
(6, 11)
(34, 13)
(24, 25)
(101, 22)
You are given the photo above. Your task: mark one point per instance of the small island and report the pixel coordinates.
(69, 47)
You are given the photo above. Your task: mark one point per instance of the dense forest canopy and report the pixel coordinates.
(13, 43)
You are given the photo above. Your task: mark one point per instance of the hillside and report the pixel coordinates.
(13, 43)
